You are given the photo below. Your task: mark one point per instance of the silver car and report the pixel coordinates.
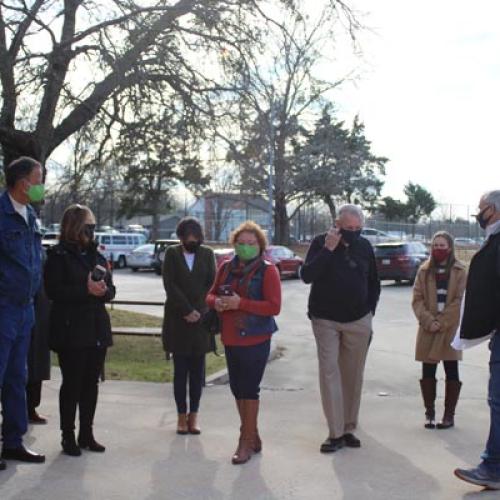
(142, 257)
(375, 236)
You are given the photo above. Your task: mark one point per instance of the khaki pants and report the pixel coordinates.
(342, 349)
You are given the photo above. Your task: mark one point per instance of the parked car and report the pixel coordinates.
(283, 258)
(223, 255)
(159, 253)
(375, 236)
(137, 228)
(398, 235)
(118, 246)
(142, 257)
(465, 242)
(107, 229)
(400, 261)
(50, 238)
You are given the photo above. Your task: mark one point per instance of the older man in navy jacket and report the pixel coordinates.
(20, 276)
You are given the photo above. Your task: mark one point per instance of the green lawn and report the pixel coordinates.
(142, 358)
(122, 318)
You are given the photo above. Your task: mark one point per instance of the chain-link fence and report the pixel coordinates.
(307, 221)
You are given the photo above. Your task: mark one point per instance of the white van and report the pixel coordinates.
(118, 246)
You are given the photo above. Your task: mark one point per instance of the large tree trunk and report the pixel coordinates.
(155, 211)
(155, 226)
(281, 221)
(17, 143)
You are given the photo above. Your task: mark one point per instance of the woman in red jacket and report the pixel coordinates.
(247, 295)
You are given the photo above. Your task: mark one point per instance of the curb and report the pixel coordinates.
(222, 377)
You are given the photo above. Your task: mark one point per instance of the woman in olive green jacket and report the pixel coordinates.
(188, 274)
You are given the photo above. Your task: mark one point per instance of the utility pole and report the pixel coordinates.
(271, 166)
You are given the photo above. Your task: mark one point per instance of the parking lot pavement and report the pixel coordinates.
(143, 286)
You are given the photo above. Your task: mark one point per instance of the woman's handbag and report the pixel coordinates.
(212, 322)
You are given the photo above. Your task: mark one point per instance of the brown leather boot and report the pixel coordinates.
(452, 392)
(428, 388)
(257, 445)
(193, 424)
(257, 442)
(182, 424)
(246, 443)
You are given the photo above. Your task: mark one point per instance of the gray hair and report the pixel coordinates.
(352, 210)
(492, 198)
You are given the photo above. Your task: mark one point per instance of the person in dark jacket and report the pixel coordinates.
(20, 277)
(481, 321)
(188, 274)
(247, 295)
(38, 356)
(80, 327)
(344, 294)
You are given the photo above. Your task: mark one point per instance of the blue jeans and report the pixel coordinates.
(245, 366)
(491, 456)
(16, 323)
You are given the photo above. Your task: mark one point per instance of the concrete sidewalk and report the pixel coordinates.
(145, 459)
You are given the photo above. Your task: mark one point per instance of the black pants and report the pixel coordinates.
(33, 396)
(245, 366)
(192, 369)
(80, 370)
(450, 368)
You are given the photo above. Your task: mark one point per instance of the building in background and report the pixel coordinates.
(220, 213)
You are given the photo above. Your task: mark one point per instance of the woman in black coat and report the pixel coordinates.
(80, 328)
(38, 356)
(188, 274)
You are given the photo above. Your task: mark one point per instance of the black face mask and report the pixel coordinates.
(191, 246)
(482, 220)
(88, 231)
(350, 236)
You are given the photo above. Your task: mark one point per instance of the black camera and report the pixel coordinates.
(98, 273)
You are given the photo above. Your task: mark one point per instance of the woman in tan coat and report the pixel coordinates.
(437, 297)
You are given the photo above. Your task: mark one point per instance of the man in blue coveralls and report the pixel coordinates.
(20, 276)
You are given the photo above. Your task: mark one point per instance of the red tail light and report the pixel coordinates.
(403, 258)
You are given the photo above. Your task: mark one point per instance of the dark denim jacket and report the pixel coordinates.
(254, 324)
(20, 254)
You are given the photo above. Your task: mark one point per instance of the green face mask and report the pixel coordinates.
(247, 252)
(36, 193)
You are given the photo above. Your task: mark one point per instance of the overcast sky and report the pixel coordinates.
(429, 94)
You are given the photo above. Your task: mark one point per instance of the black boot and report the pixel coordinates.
(87, 442)
(88, 403)
(69, 445)
(428, 388)
(450, 403)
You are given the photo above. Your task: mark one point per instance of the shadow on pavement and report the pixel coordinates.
(250, 484)
(379, 474)
(186, 471)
